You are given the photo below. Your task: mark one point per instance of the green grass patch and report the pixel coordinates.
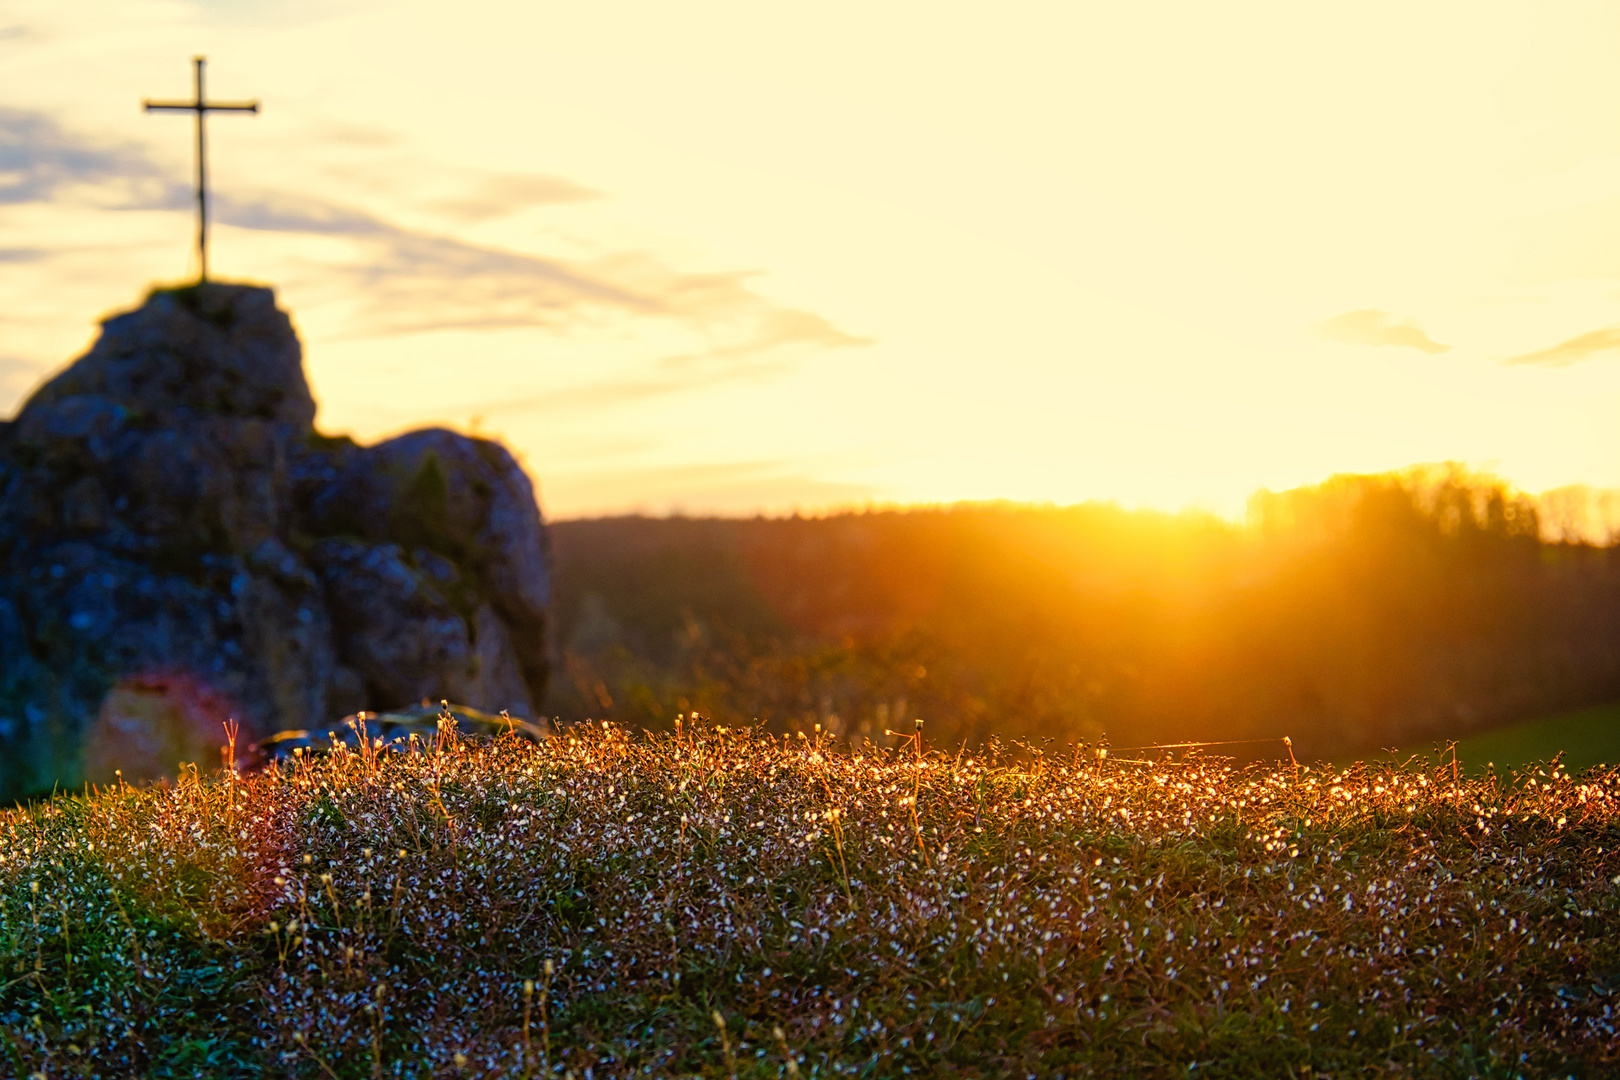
(1587, 738)
(727, 904)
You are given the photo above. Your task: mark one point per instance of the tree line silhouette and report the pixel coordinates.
(1360, 613)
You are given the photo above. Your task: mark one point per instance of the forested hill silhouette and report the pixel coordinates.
(1364, 612)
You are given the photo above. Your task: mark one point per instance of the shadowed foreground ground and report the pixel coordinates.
(726, 904)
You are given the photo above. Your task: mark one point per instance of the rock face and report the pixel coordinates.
(178, 545)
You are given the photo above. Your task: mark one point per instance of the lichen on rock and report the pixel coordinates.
(177, 539)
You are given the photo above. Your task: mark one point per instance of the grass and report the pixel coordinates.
(722, 903)
(1586, 739)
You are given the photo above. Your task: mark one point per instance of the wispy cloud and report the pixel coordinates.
(764, 350)
(409, 280)
(40, 161)
(608, 392)
(497, 196)
(413, 281)
(1578, 348)
(1373, 327)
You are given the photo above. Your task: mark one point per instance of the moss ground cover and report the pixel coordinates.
(723, 903)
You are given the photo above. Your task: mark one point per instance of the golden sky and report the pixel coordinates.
(737, 256)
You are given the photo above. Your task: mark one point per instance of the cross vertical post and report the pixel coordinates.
(202, 175)
(202, 107)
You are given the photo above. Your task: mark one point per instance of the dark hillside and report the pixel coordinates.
(1364, 612)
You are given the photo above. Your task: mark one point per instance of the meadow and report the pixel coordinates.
(1358, 614)
(724, 902)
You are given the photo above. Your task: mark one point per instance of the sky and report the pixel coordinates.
(737, 257)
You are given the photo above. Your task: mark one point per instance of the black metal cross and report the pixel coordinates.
(202, 107)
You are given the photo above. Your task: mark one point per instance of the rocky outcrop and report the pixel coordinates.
(177, 541)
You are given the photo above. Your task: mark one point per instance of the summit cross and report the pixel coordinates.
(202, 107)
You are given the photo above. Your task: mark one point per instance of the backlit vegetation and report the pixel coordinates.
(725, 903)
(1354, 615)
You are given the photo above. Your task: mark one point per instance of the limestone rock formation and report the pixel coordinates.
(179, 544)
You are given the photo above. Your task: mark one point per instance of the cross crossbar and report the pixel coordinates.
(202, 107)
